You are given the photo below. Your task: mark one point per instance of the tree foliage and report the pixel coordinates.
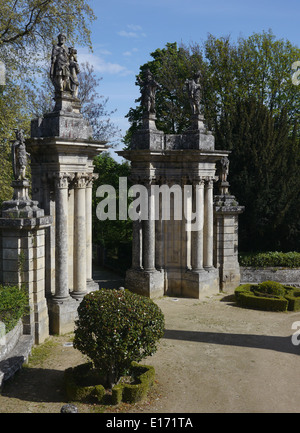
(28, 28)
(113, 236)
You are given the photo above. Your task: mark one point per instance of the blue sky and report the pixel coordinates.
(127, 31)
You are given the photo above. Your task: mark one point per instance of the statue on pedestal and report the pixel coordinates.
(19, 156)
(148, 90)
(193, 88)
(64, 68)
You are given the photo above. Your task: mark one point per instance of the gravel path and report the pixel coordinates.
(214, 357)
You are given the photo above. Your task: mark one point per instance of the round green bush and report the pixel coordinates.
(116, 327)
(271, 288)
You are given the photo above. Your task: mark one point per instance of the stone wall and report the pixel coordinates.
(281, 275)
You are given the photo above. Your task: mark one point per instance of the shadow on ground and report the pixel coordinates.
(279, 344)
(36, 385)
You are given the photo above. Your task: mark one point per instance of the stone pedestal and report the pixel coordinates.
(226, 212)
(22, 256)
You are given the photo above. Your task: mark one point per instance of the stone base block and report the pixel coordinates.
(230, 280)
(91, 286)
(198, 284)
(150, 284)
(62, 315)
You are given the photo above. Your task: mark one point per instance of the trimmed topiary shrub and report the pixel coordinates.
(13, 305)
(115, 328)
(271, 288)
(83, 384)
(268, 296)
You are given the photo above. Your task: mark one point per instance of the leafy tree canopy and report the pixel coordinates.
(252, 106)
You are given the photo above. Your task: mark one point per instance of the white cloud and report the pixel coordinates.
(134, 27)
(101, 65)
(135, 32)
(125, 34)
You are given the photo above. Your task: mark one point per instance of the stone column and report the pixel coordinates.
(159, 234)
(137, 244)
(149, 233)
(208, 224)
(61, 236)
(197, 235)
(80, 247)
(88, 209)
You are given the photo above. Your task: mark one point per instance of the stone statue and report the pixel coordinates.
(193, 88)
(149, 86)
(74, 70)
(224, 169)
(64, 68)
(19, 156)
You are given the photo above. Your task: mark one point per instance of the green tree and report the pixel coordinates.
(264, 172)
(28, 28)
(252, 106)
(114, 237)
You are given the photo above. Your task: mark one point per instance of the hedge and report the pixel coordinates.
(270, 259)
(82, 383)
(252, 296)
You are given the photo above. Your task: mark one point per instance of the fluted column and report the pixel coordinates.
(61, 236)
(149, 232)
(159, 231)
(197, 233)
(208, 224)
(88, 209)
(137, 244)
(80, 253)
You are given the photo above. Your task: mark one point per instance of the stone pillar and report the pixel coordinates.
(90, 283)
(197, 235)
(226, 210)
(149, 234)
(80, 246)
(22, 228)
(137, 244)
(61, 236)
(208, 224)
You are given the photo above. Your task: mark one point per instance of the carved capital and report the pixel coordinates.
(90, 178)
(80, 180)
(61, 180)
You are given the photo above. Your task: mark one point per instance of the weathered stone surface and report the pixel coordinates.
(281, 275)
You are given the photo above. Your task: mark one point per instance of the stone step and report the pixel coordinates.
(16, 358)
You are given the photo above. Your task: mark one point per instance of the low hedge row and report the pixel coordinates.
(251, 296)
(81, 385)
(270, 259)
